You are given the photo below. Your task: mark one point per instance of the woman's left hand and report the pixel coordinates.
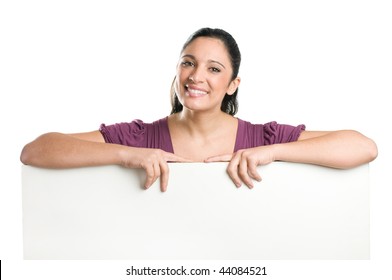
(243, 164)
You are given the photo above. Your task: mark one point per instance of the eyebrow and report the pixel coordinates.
(213, 61)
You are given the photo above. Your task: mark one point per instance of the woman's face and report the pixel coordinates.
(204, 75)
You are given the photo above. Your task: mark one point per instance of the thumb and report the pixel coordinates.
(170, 157)
(219, 158)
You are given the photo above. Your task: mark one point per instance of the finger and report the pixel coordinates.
(243, 172)
(170, 157)
(164, 180)
(232, 170)
(152, 174)
(252, 171)
(220, 158)
(149, 175)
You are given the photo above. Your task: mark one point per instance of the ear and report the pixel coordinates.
(233, 86)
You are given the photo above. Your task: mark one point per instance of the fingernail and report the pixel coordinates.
(238, 185)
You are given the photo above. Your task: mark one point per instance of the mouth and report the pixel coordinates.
(193, 92)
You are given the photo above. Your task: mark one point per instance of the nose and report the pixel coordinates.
(196, 76)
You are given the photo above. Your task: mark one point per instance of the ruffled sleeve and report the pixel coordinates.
(275, 133)
(254, 135)
(129, 134)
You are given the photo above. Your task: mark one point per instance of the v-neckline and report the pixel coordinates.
(240, 128)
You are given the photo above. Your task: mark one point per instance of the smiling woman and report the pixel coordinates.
(230, 56)
(196, 66)
(201, 128)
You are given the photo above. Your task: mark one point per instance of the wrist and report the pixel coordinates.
(121, 155)
(276, 152)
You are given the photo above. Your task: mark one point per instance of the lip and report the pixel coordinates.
(194, 91)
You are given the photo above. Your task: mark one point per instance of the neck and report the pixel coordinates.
(199, 123)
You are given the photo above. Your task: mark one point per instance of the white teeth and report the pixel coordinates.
(195, 91)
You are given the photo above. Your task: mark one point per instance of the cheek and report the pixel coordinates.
(221, 84)
(179, 75)
(181, 79)
(177, 85)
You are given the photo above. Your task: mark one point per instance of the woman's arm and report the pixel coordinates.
(337, 149)
(57, 150)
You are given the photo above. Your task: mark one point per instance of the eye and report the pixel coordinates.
(215, 70)
(187, 63)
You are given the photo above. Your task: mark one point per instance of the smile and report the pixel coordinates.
(194, 92)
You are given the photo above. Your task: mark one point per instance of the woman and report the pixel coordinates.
(201, 127)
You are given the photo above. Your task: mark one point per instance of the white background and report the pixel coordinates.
(69, 66)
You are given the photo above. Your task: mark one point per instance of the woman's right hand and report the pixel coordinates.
(57, 150)
(153, 161)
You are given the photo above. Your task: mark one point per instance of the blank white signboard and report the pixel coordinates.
(298, 211)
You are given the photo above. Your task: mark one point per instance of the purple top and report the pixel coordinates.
(157, 135)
